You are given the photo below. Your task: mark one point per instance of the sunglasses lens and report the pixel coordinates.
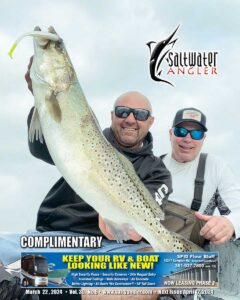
(141, 114)
(197, 134)
(122, 112)
(180, 131)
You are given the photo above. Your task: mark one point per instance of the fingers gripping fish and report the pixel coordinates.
(96, 171)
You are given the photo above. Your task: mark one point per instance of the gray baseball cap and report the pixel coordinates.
(190, 115)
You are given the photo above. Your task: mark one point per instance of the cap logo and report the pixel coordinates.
(192, 114)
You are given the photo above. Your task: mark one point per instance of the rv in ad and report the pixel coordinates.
(34, 270)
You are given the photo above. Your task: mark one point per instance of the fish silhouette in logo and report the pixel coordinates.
(157, 53)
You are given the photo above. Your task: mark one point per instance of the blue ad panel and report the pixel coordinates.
(117, 270)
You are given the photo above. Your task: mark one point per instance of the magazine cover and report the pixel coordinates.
(120, 176)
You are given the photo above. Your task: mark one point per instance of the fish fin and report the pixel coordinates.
(35, 129)
(119, 231)
(95, 119)
(53, 106)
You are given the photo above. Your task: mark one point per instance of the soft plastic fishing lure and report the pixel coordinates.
(44, 37)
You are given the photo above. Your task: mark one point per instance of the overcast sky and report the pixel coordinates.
(106, 40)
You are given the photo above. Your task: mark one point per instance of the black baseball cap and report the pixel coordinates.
(190, 115)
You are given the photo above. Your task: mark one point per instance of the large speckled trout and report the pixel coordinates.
(104, 178)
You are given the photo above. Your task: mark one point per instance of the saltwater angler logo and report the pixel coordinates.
(164, 62)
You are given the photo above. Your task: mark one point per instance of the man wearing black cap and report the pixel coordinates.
(214, 195)
(189, 145)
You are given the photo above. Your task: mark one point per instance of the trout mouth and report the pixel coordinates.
(42, 42)
(48, 37)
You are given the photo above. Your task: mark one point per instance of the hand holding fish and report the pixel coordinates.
(133, 235)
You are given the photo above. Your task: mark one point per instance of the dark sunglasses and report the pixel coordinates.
(182, 132)
(139, 114)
